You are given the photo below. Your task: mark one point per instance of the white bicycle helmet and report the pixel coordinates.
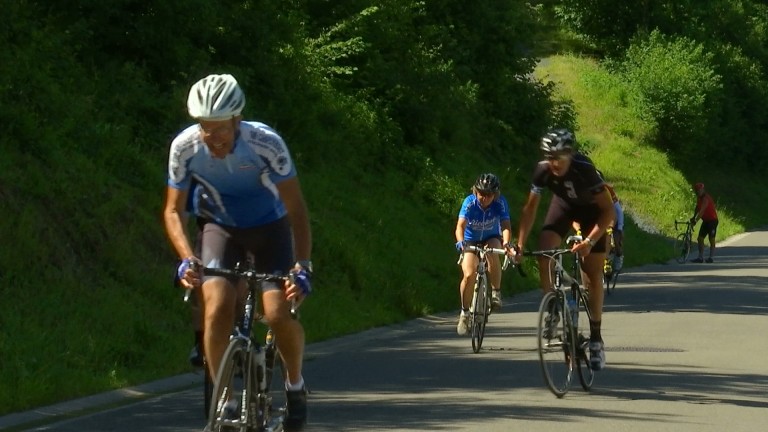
(558, 140)
(215, 97)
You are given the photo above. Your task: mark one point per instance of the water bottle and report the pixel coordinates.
(574, 308)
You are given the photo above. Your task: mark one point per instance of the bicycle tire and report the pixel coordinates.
(556, 350)
(586, 374)
(207, 390)
(479, 314)
(682, 248)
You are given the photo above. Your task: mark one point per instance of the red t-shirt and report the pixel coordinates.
(709, 213)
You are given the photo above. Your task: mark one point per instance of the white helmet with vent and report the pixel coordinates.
(215, 97)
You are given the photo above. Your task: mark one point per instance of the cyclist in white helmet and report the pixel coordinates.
(246, 196)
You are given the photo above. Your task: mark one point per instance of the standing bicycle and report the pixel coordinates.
(248, 198)
(480, 307)
(483, 221)
(241, 398)
(683, 241)
(563, 315)
(578, 195)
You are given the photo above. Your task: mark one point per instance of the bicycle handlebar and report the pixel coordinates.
(249, 275)
(687, 223)
(244, 274)
(485, 250)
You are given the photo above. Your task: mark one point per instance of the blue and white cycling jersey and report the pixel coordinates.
(483, 224)
(239, 190)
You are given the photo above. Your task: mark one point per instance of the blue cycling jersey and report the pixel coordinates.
(483, 224)
(239, 190)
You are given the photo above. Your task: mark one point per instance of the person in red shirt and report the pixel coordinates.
(705, 210)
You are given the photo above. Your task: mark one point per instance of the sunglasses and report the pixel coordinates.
(556, 156)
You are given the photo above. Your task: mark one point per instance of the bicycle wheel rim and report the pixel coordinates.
(555, 350)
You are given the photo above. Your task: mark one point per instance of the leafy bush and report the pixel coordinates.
(676, 87)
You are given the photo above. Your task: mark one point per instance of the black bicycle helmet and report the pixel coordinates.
(487, 183)
(558, 140)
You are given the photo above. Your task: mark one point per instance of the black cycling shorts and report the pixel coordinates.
(270, 247)
(708, 228)
(561, 215)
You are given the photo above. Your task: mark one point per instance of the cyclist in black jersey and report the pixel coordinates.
(579, 195)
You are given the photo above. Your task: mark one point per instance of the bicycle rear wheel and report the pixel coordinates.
(586, 374)
(555, 344)
(479, 314)
(682, 248)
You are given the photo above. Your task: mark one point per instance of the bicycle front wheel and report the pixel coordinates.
(479, 315)
(555, 344)
(237, 379)
(682, 248)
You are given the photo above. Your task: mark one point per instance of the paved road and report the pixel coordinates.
(686, 351)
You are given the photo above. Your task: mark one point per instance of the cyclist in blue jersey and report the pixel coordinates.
(483, 220)
(249, 202)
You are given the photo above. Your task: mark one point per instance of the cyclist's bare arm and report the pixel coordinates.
(173, 215)
(506, 232)
(293, 199)
(461, 225)
(527, 217)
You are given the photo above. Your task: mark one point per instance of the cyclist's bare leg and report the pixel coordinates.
(288, 331)
(494, 264)
(592, 274)
(701, 247)
(711, 246)
(218, 300)
(467, 284)
(547, 240)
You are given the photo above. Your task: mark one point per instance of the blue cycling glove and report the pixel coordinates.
(460, 245)
(302, 280)
(183, 267)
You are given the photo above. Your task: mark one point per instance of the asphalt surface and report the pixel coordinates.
(685, 346)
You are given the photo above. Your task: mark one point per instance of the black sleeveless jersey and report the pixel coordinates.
(578, 186)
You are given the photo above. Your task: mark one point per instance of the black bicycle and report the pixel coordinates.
(683, 241)
(480, 308)
(563, 315)
(240, 398)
